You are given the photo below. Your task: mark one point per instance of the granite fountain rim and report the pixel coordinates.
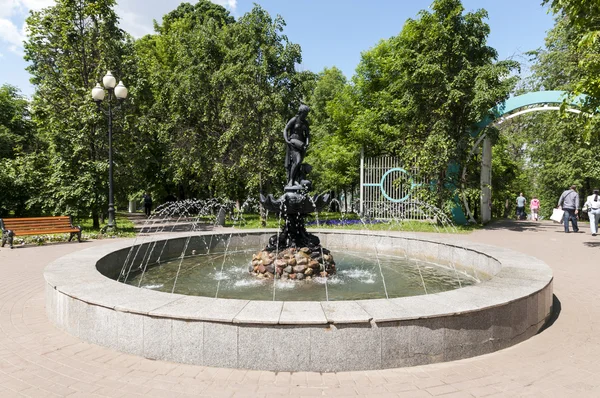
(75, 275)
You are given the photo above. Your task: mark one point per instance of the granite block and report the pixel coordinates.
(426, 342)
(344, 312)
(468, 329)
(462, 258)
(345, 347)
(220, 345)
(188, 341)
(157, 338)
(423, 306)
(256, 348)
(98, 325)
(395, 344)
(290, 356)
(532, 310)
(302, 313)
(384, 310)
(222, 310)
(444, 255)
(142, 301)
(130, 333)
(262, 312)
(73, 312)
(278, 348)
(185, 307)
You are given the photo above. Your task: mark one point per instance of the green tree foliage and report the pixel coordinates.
(581, 20)
(555, 67)
(544, 153)
(334, 156)
(16, 129)
(21, 170)
(420, 93)
(70, 46)
(213, 98)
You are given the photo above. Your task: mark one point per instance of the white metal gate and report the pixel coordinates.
(387, 190)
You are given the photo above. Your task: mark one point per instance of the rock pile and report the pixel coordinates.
(293, 263)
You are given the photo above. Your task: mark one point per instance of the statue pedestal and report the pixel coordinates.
(292, 263)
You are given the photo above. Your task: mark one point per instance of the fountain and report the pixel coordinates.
(332, 318)
(294, 253)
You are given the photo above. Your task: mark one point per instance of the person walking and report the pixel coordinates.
(593, 204)
(534, 206)
(521, 206)
(147, 199)
(569, 202)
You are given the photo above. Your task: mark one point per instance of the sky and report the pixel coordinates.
(330, 32)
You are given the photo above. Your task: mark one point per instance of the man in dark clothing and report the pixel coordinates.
(147, 204)
(569, 202)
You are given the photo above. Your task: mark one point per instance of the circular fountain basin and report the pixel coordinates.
(510, 304)
(359, 276)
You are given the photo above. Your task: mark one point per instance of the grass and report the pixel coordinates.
(329, 220)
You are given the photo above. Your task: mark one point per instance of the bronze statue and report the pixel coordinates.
(297, 136)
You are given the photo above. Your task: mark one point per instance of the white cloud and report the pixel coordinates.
(37, 4)
(136, 17)
(10, 33)
(9, 8)
(134, 23)
(12, 15)
(229, 4)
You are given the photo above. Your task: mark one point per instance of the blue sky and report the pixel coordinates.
(330, 32)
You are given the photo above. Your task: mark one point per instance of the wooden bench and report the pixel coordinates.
(12, 227)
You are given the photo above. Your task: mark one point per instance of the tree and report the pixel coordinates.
(333, 154)
(16, 129)
(212, 124)
(421, 92)
(177, 104)
(555, 67)
(581, 19)
(70, 46)
(22, 167)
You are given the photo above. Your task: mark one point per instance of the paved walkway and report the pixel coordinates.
(38, 360)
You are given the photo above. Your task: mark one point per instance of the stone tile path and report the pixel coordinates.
(38, 360)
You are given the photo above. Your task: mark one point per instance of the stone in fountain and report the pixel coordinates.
(294, 253)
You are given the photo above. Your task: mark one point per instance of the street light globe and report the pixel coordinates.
(109, 80)
(121, 91)
(98, 93)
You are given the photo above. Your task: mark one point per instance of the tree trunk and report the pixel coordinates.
(95, 220)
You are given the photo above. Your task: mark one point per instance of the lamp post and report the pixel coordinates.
(120, 92)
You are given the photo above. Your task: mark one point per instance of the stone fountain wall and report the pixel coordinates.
(511, 305)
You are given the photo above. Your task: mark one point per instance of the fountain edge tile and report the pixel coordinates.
(338, 312)
(302, 313)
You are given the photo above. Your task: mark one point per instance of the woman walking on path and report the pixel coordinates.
(593, 204)
(535, 207)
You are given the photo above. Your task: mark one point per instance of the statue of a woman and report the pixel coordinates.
(297, 136)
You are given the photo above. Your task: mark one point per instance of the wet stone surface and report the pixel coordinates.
(293, 263)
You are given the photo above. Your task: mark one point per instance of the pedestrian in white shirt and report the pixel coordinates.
(593, 204)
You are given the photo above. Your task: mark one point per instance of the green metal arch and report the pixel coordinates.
(510, 105)
(528, 99)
